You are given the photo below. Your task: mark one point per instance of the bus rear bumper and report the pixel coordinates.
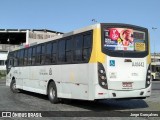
(116, 94)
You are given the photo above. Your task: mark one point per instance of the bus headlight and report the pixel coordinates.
(102, 76)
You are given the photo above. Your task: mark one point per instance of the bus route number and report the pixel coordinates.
(140, 46)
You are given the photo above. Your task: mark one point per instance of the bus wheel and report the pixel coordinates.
(13, 87)
(52, 93)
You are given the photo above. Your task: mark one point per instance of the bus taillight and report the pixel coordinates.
(102, 76)
(148, 77)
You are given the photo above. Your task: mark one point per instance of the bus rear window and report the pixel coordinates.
(124, 39)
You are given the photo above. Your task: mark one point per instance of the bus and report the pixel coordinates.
(155, 66)
(101, 61)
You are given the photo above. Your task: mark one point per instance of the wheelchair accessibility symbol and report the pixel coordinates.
(112, 62)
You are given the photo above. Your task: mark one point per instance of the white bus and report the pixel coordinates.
(101, 61)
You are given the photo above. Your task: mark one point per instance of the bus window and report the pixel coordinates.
(18, 58)
(38, 54)
(29, 56)
(54, 51)
(68, 51)
(21, 57)
(153, 68)
(15, 59)
(158, 68)
(11, 63)
(78, 48)
(61, 51)
(43, 54)
(48, 53)
(33, 55)
(25, 56)
(86, 47)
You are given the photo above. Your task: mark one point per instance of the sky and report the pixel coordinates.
(68, 15)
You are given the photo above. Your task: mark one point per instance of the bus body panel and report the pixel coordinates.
(71, 81)
(121, 70)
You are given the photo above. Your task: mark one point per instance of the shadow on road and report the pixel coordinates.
(39, 96)
(102, 105)
(109, 104)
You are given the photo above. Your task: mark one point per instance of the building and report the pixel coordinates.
(11, 39)
(155, 57)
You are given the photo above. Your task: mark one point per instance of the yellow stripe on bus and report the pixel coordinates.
(97, 55)
(149, 55)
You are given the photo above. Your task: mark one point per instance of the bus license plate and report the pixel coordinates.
(127, 84)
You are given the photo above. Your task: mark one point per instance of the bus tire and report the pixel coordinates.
(13, 86)
(52, 93)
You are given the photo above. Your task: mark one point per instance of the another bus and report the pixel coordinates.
(155, 66)
(101, 61)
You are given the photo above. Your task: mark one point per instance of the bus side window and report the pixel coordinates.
(153, 68)
(21, 57)
(78, 48)
(10, 64)
(69, 50)
(61, 51)
(33, 55)
(25, 56)
(158, 69)
(86, 47)
(54, 52)
(42, 56)
(48, 53)
(15, 59)
(29, 56)
(18, 57)
(38, 54)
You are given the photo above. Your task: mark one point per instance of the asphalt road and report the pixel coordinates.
(27, 101)
(156, 85)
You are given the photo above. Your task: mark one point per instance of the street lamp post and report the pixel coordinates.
(94, 20)
(154, 28)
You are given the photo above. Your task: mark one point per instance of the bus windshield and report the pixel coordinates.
(124, 39)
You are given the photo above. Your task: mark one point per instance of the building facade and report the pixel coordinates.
(12, 39)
